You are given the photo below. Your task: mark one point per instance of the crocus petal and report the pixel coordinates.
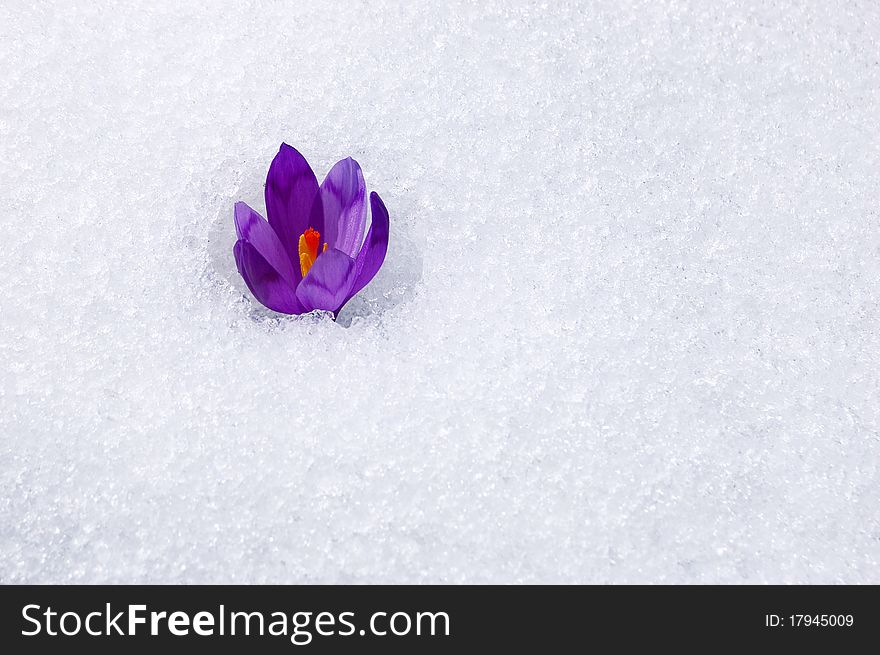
(344, 204)
(253, 228)
(372, 254)
(328, 284)
(291, 192)
(264, 281)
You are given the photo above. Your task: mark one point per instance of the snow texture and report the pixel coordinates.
(628, 329)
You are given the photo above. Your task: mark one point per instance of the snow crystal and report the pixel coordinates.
(627, 329)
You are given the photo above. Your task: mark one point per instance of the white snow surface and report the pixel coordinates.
(628, 328)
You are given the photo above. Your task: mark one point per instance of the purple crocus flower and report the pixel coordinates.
(309, 254)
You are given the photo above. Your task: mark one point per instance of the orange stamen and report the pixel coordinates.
(308, 249)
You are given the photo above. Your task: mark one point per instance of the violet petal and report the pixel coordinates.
(344, 203)
(328, 283)
(253, 228)
(291, 192)
(267, 285)
(372, 254)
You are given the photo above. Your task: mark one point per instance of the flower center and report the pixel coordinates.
(308, 249)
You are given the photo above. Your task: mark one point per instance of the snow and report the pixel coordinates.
(627, 329)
